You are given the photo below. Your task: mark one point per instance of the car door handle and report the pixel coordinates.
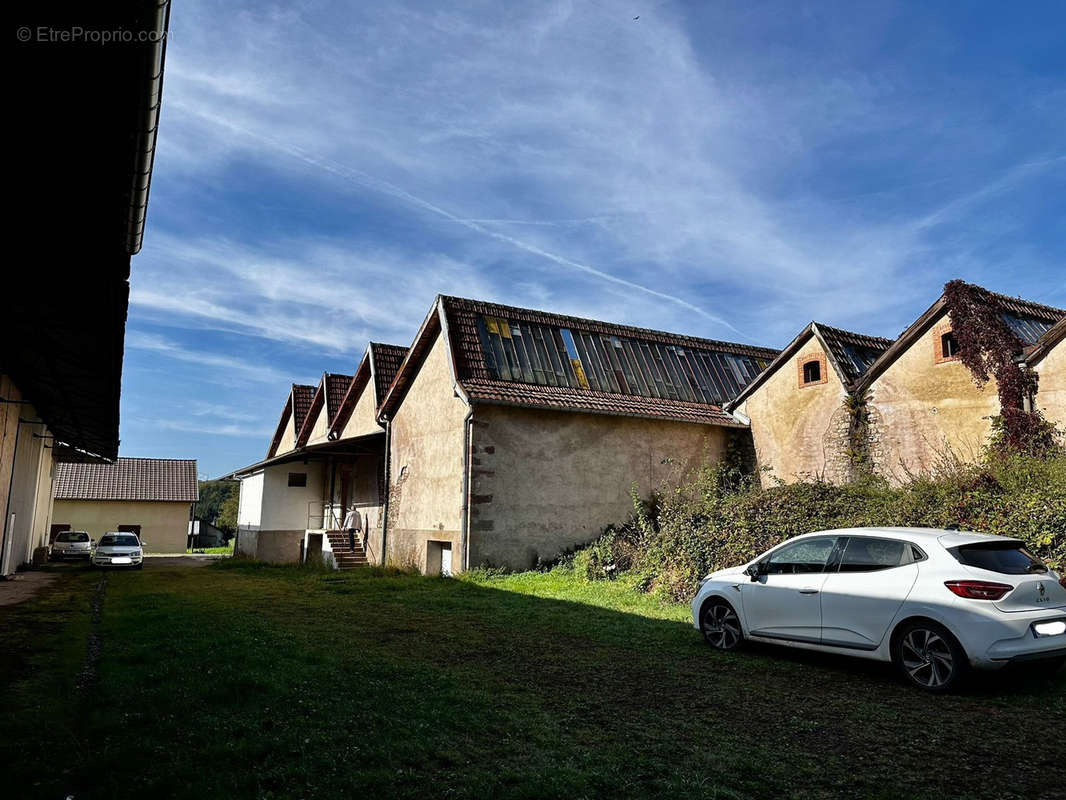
(808, 591)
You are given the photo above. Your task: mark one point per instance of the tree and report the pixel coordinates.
(213, 496)
(226, 521)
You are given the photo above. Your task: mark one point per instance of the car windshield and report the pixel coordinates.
(119, 540)
(1006, 558)
(73, 536)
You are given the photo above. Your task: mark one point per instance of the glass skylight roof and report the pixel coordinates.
(555, 356)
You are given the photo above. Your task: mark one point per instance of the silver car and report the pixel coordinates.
(118, 549)
(71, 544)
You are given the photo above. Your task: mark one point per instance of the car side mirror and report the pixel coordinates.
(753, 571)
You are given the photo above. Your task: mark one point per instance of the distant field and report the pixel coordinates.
(239, 680)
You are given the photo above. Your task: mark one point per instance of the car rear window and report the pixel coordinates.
(72, 536)
(1006, 558)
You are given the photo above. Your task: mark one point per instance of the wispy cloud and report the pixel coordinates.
(160, 345)
(721, 170)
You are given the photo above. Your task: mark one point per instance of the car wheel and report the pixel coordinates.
(720, 625)
(929, 656)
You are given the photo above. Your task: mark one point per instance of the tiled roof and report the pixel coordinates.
(154, 479)
(302, 395)
(1030, 321)
(571, 399)
(1027, 308)
(336, 386)
(853, 352)
(483, 383)
(387, 360)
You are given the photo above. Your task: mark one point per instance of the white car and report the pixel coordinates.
(71, 544)
(118, 549)
(933, 601)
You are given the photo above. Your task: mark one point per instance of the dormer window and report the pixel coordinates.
(812, 369)
(949, 345)
(812, 372)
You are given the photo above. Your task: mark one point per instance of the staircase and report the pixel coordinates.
(346, 557)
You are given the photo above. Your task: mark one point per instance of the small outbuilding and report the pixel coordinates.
(151, 497)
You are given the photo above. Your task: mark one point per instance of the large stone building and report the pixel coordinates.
(896, 408)
(798, 408)
(151, 497)
(327, 457)
(506, 436)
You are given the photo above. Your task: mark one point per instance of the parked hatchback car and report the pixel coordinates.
(117, 549)
(935, 602)
(71, 544)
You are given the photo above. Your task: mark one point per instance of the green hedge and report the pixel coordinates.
(714, 521)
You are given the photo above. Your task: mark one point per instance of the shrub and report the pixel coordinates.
(710, 522)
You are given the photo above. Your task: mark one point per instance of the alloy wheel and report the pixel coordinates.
(721, 626)
(927, 658)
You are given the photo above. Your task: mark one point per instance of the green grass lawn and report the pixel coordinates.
(227, 550)
(240, 680)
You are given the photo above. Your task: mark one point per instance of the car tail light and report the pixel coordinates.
(979, 590)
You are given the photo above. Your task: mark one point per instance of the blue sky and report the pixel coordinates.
(722, 169)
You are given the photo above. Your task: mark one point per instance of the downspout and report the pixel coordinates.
(388, 492)
(464, 522)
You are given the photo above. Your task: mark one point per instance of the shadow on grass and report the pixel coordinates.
(291, 682)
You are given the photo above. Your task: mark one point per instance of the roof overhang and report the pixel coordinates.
(88, 114)
(370, 444)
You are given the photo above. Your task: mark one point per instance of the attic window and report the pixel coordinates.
(945, 345)
(812, 372)
(949, 345)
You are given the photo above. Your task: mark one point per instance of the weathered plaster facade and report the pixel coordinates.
(363, 420)
(928, 409)
(426, 472)
(800, 430)
(164, 525)
(1051, 391)
(547, 481)
(26, 473)
(272, 515)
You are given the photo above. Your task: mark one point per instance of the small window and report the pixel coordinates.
(801, 558)
(949, 345)
(871, 555)
(297, 479)
(812, 372)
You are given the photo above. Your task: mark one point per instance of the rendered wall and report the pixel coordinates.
(164, 526)
(1051, 392)
(426, 474)
(26, 472)
(363, 420)
(320, 427)
(9, 426)
(929, 410)
(288, 439)
(800, 432)
(545, 481)
(272, 516)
